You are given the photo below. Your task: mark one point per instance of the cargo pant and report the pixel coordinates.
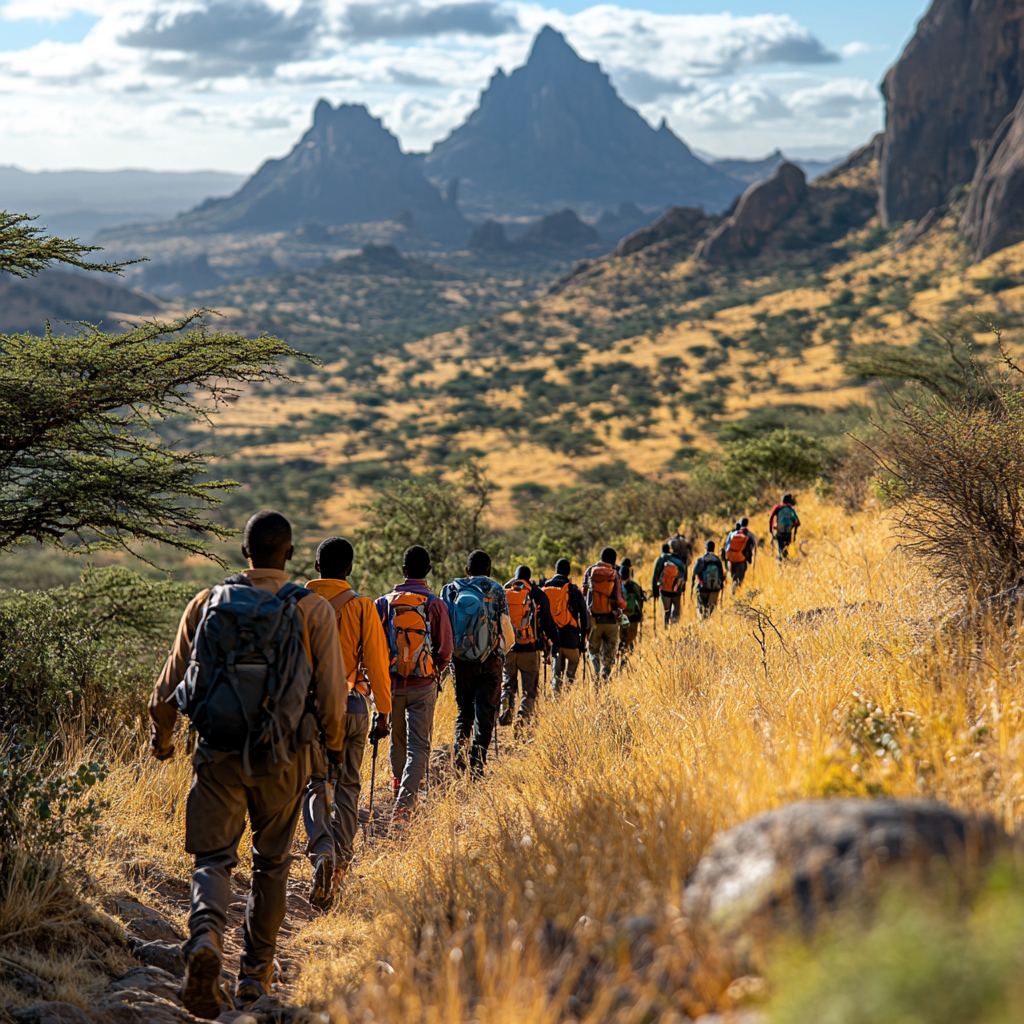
(737, 570)
(672, 603)
(563, 670)
(527, 665)
(707, 601)
(604, 646)
(412, 732)
(221, 797)
(627, 638)
(477, 694)
(337, 836)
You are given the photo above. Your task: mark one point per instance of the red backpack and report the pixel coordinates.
(735, 552)
(604, 581)
(669, 583)
(521, 611)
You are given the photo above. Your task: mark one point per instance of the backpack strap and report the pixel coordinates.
(338, 602)
(238, 580)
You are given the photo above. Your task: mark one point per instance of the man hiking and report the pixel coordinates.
(634, 595)
(708, 580)
(256, 665)
(783, 524)
(572, 617)
(530, 614)
(482, 634)
(364, 648)
(739, 548)
(602, 588)
(669, 583)
(420, 647)
(680, 546)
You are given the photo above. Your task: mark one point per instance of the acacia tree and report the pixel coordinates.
(81, 466)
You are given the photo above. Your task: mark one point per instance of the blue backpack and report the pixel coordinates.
(785, 520)
(248, 681)
(474, 612)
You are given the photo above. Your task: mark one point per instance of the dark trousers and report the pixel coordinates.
(337, 836)
(672, 603)
(627, 638)
(707, 601)
(563, 671)
(782, 542)
(477, 694)
(737, 570)
(527, 665)
(221, 797)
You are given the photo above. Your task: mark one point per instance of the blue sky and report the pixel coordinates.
(225, 83)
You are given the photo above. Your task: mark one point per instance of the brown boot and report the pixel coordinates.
(321, 895)
(253, 983)
(201, 994)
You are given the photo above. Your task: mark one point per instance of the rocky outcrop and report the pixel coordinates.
(792, 863)
(556, 133)
(763, 208)
(563, 229)
(489, 236)
(680, 220)
(994, 217)
(347, 169)
(959, 76)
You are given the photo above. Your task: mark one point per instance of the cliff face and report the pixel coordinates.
(346, 169)
(958, 78)
(555, 133)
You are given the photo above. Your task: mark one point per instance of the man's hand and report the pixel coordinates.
(655, 592)
(335, 757)
(162, 755)
(379, 730)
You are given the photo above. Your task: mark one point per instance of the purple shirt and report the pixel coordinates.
(441, 642)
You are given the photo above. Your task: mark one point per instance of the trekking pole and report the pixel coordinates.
(373, 784)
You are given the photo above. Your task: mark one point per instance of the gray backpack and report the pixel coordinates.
(247, 684)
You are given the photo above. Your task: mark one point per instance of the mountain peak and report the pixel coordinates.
(550, 47)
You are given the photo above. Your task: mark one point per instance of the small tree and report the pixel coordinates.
(776, 461)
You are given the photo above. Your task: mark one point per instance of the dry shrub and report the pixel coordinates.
(851, 480)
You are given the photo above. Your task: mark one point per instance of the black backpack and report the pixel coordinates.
(247, 684)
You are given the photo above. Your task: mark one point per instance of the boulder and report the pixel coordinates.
(165, 955)
(489, 236)
(795, 861)
(52, 1013)
(679, 220)
(150, 979)
(994, 217)
(146, 923)
(762, 208)
(959, 76)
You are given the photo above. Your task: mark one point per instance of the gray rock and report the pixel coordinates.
(133, 1006)
(52, 1013)
(166, 955)
(994, 217)
(763, 208)
(674, 223)
(150, 979)
(959, 76)
(146, 923)
(812, 854)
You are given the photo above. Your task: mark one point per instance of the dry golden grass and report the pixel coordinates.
(553, 887)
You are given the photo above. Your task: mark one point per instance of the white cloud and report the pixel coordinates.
(253, 69)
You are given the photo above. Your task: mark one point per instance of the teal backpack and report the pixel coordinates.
(712, 576)
(786, 520)
(474, 612)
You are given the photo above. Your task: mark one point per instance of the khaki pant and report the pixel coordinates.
(627, 638)
(527, 665)
(604, 646)
(563, 670)
(707, 601)
(672, 603)
(412, 732)
(220, 799)
(337, 836)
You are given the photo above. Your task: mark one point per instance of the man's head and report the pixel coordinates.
(267, 540)
(523, 572)
(739, 524)
(626, 568)
(563, 567)
(665, 549)
(334, 558)
(608, 555)
(416, 563)
(744, 522)
(710, 546)
(788, 499)
(478, 564)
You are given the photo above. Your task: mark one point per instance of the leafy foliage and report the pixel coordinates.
(25, 250)
(773, 462)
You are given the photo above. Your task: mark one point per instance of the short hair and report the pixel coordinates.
(608, 555)
(335, 556)
(744, 521)
(416, 562)
(625, 570)
(665, 549)
(787, 499)
(266, 534)
(628, 563)
(563, 567)
(478, 563)
(710, 546)
(523, 572)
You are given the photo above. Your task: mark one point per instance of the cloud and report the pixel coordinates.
(400, 77)
(369, 21)
(226, 38)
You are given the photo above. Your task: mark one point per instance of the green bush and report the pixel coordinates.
(781, 460)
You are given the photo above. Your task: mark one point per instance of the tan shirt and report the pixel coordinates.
(319, 637)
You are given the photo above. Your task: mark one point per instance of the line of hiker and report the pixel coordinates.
(278, 679)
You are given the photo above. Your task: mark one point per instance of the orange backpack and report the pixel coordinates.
(409, 635)
(521, 611)
(737, 546)
(558, 598)
(603, 582)
(669, 582)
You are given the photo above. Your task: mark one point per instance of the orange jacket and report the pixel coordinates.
(363, 643)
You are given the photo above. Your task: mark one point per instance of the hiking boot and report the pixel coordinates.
(201, 993)
(507, 711)
(253, 983)
(321, 895)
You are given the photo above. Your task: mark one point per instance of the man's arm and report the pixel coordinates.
(330, 681)
(440, 634)
(547, 623)
(376, 657)
(508, 631)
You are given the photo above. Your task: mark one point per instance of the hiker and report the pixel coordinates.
(572, 617)
(783, 524)
(708, 580)
(634, 595)
(482, 634)
(530, 614)
(602, 588)
(669, 583)
(681, 547)
(256, 762)
(420, 646)
(739, 548)
(364, 648)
